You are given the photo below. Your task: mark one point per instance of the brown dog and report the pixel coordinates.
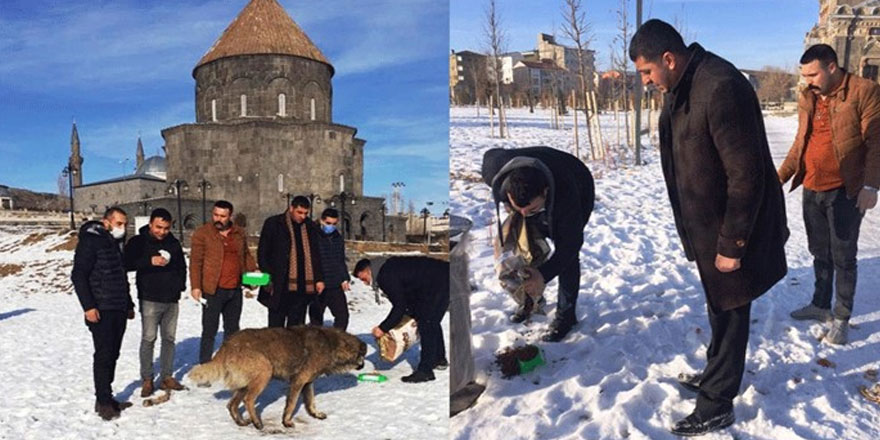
(250, 358)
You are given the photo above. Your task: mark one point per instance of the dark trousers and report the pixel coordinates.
(292, 310)
(107, 336)
(569, 284)
(334, 299)
(226, 302)
(832, 222)
(726, 360)
(428, 319)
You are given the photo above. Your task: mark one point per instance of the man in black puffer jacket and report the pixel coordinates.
(157, 257)
(331, 246)
(101, 285)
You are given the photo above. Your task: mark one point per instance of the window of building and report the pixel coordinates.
(282, 105)
(312, 109)
(243, 105)
(214, 110)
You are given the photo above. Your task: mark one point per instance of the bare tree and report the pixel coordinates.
(774, 84)
(576, 28)
(495, 42)
(621, 61)
(62, 185)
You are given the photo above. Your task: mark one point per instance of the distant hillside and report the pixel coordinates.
(34, 201)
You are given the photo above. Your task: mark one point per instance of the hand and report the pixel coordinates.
(319, 286)
(345, 286)
(867, 199)
(158, 260)
(726, 264)
(92, 315)
(377, 332)
(779, 176)
(131, 314)
(533, 284)
(196, 294)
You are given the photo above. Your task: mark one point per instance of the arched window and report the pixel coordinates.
(213, 110)
(282, 105)
(312, 109)
(243, 105)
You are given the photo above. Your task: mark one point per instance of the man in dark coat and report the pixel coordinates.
(726, 199)
(101, 286)
(418, 287)
(289, 253)
(331, 245)
(155, 254)
(553, 192)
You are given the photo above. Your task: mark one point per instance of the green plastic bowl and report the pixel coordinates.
(255, 279)
(531, 364)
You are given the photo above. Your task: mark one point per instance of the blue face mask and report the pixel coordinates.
(328, 229)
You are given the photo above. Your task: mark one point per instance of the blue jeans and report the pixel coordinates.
(157, 317)
(832, 222)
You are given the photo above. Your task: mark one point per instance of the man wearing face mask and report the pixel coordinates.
(331, 246)
(288, 252)
(219, 257)
(726, 201)
(836, 155)
(549, 193)
(101, 285)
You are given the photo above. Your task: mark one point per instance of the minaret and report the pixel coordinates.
(140, 153)
(76, 159)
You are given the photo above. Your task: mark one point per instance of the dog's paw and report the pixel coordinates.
(241, 422)
(288, 423)
(258, 424)
(318, 415)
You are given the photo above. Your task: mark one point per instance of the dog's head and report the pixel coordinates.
(351, 353)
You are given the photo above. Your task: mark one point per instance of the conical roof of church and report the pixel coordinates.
(263, 27)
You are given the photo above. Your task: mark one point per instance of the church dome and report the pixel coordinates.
(153, 166)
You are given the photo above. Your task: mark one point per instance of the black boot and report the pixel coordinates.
(522, 312)
(442, 364)
(694, 425)
(418, 376)
(558, 330)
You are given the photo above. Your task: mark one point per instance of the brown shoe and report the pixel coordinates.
(170, 383)
(147, 388)
(107, 411)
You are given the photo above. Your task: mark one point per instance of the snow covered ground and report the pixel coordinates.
(46, 357)
(643, 320)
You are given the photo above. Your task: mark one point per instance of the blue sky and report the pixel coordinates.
(750, 33)
(124, 67)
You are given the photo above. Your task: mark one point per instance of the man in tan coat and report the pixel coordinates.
(836, 156)
(219, 257)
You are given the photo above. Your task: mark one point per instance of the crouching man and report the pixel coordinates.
(418, 287)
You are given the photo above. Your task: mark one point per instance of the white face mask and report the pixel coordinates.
(117, 233)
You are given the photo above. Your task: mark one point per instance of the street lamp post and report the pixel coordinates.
(175, 188)
(313, 198)
(425, 213)
(68, 172)
(382, 208)
(341, 198)
(204, 186)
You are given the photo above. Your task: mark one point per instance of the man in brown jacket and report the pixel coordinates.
(219, 257)
(836, 156)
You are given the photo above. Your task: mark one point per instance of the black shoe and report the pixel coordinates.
(441, 365)
(557, 331)
(690, 381)
(694, 425)
(107, 411)
(120, 406)
(418, 376)
(521, 314)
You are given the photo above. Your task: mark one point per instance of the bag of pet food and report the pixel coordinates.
(399, 339)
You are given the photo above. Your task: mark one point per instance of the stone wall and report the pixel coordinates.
(96, 197)
(261, 78)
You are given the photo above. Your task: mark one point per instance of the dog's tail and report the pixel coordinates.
(209, 372)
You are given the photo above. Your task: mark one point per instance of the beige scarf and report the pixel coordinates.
(310, 276)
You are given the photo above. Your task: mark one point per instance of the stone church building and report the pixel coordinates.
(852, 28)
(264, 131)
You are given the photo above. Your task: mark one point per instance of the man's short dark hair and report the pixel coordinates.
(113, 210)
(822, 52)
(223, 204)
(300, 202)
(160, 213)
(330, 212)
(362, 265)
(524, 184)
(653, 39)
